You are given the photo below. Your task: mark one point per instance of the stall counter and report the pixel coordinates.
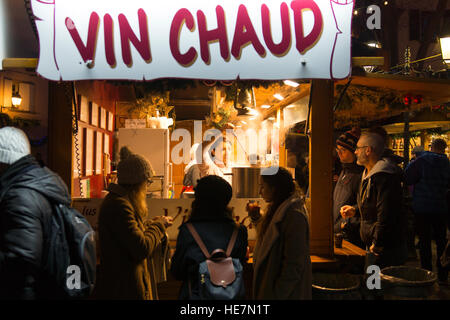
(179, 208)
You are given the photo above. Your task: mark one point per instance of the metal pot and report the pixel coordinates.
(245, 182)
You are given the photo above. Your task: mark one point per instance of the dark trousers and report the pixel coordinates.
(429, 225)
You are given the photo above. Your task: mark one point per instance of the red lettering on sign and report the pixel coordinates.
(109, 40)
(207, 36)
(305, 43)
(127, 35)
(86, 51)
(281, 48)
(245, 34)
(182, 16)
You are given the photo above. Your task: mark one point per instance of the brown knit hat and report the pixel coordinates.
(349, 139)
(133, 168)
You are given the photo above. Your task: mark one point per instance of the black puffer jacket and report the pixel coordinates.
(24, 215)
(383, 220)
(215, 234)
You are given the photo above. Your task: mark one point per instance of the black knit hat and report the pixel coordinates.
(213, 189)
(349, 139)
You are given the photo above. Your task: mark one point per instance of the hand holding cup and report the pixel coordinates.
(253, 210)
(347, 211)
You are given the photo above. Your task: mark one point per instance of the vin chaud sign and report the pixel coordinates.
(197, 39)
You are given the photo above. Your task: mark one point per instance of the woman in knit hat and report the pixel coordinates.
(127, 240)
(347, 186)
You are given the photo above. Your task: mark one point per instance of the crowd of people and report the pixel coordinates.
(369, 210)
(371, 200)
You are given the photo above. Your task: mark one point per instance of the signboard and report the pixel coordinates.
(197, 39)
(90, 208)
(135, 123)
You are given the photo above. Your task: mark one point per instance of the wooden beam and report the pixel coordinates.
(367, 61)
(304, 91)
(190, 103)
(321, 166)
(19, 63)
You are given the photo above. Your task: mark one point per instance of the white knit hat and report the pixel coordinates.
(14, 145)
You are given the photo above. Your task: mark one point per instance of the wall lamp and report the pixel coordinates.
(16, 99)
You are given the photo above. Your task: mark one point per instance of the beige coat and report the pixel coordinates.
(126, 244)
(282, 264)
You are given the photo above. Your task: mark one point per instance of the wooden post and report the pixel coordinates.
(321, 165)
(281, 136)
(60, 132)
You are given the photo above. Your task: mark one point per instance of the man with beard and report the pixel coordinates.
(380, 204)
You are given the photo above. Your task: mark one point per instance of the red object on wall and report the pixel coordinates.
(407, 100)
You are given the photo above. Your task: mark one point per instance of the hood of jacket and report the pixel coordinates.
(26, 173)
(383, 165)
(435, 160)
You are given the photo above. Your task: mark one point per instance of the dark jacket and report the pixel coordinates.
(126, 243)
(430, 175)
(345, 193)
(215, 234)
(282, 262)
(24, 215)
(383, 219)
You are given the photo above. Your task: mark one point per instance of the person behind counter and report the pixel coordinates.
(126, 241)
(212, 219)
(201, 165)
(281, 260)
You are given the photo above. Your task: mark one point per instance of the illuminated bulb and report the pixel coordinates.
(16, 101)
(445, 49)
(243, 122)
(291, 83)
(278, 96)
(355, 12)
(271, 118)
(265, 106)
(386, 3)
(374, 44)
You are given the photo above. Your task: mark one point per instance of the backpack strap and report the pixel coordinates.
(232, 242)
(197, 239)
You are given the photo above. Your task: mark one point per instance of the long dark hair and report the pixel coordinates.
(212, 195)
(283, 186)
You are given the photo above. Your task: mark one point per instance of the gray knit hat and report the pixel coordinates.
(14, 145)
(133, 168)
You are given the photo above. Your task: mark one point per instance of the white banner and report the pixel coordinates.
(197, 39)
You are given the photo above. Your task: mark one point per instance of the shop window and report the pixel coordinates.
(83, 109)
(102, 118)
(98, 143)
(89, 151)
(95, 125)
(110, 121)
(93, 114)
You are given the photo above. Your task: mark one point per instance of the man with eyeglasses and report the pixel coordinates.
(347, 186)
(379, 202)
